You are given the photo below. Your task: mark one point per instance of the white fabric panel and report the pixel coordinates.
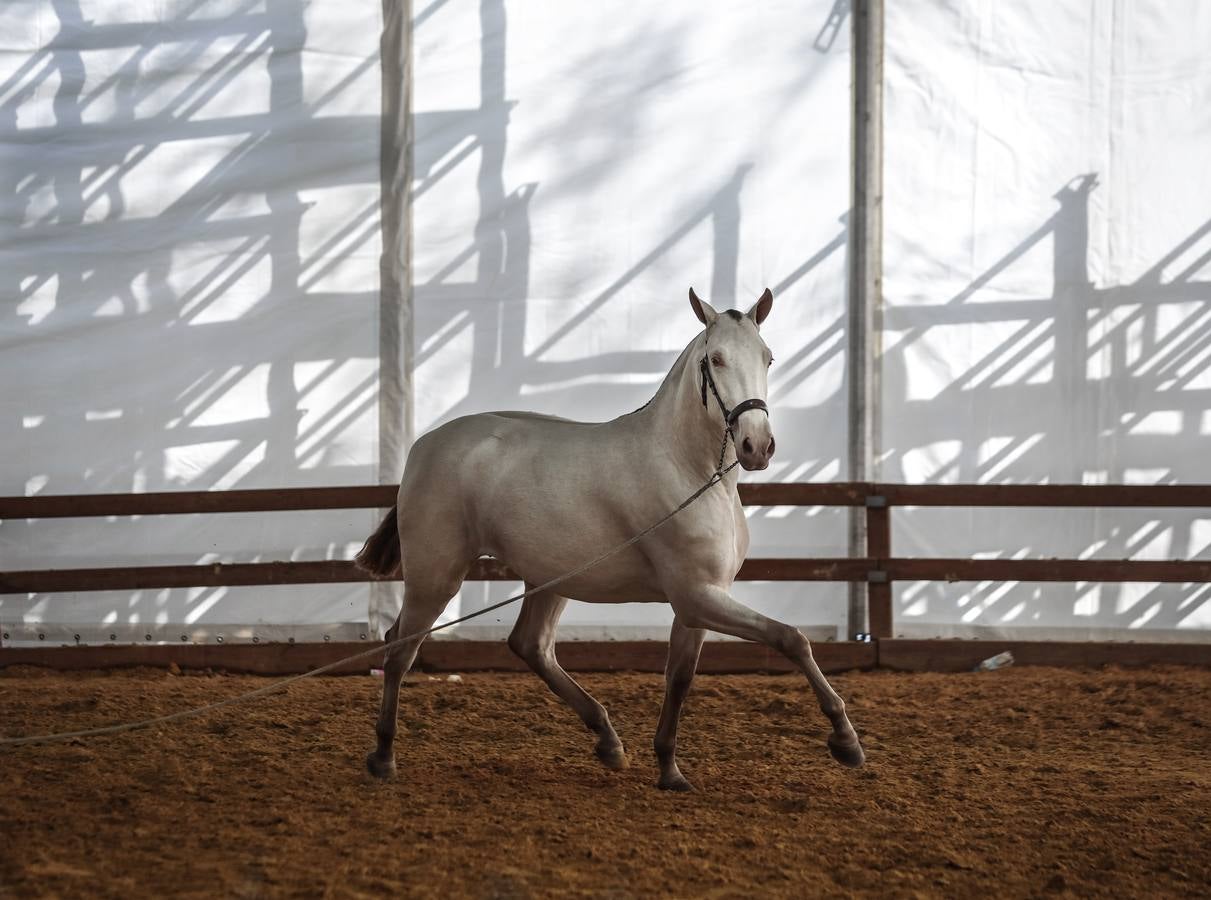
(1048, 296)
(578, 166)
(189, 250)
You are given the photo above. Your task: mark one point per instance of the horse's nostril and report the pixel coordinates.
(769, 451)
(747, 445)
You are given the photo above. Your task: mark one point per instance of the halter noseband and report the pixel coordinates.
(729, 415)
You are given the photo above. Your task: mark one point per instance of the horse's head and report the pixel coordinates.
(734, 367)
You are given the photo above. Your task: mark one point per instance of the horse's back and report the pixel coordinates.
(499, 454)
(494, 433)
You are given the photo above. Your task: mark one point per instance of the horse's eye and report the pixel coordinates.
(717, 360)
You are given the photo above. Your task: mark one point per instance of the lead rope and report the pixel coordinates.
(716, 477)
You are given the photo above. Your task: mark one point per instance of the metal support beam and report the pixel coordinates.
(395, 266)
(865, 274)
(395, 405)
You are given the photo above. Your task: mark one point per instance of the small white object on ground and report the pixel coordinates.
(455, 678)
(1000, 661)
(377, 673)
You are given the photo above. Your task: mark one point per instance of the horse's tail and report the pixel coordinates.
(380, 555)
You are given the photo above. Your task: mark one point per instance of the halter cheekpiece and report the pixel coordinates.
(729, 415)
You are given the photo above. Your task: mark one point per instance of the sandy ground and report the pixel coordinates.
(1020, 782)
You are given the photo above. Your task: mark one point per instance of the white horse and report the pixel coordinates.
(544, 494)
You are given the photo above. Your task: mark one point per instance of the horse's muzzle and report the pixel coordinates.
(756, 450)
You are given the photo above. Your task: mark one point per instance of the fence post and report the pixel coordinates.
(878, 547)
(865, 274)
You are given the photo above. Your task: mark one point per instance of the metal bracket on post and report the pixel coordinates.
(878, 580)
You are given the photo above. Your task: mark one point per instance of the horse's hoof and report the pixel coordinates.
(612, 757)
(848, 753)
(379, 767)
(676, 782)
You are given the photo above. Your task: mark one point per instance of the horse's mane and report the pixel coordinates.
(674, 373)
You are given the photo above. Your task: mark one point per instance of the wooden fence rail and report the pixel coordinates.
(879, 568)
(333, 571)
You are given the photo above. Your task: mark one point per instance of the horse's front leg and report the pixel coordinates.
(712, 607)
(685, 644)
(533, 639)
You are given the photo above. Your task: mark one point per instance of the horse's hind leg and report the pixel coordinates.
(422, 606)
(685, 644)
(533, 639)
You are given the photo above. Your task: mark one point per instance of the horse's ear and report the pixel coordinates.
(761, 308)
(704, 311)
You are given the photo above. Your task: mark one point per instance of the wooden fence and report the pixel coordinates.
(878, 568)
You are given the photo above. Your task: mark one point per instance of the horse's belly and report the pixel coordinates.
(623, 590)
(625, 578)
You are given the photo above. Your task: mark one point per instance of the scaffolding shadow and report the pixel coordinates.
(1090, 385)
(179, 310)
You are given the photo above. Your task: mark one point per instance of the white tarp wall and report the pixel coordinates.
(1048, 290)
(189, 249)
(189, 235)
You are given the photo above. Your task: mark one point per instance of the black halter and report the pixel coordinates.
(729, 415)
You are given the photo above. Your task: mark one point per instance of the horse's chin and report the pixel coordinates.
(754, 465)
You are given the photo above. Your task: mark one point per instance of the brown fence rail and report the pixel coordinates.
(332, 571)
(878, 567)
(63, 506)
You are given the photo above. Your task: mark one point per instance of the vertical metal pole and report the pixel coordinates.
(865, 274)
(395, 406)
(395, 303)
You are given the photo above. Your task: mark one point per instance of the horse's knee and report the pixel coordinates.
(791, 642)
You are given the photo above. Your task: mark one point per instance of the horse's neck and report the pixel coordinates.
(679, 420)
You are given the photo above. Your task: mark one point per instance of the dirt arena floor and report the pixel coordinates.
(1020, 782)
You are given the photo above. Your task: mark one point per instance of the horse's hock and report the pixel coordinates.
(1010, 783)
